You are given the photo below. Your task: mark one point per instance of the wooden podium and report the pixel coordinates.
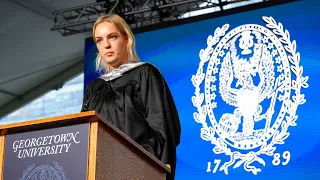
(111, 153)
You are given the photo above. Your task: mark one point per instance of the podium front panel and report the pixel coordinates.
(55, 153)
(118, 159)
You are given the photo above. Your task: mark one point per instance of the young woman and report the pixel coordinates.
(132, 95)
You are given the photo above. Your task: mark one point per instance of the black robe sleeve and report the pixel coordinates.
(87, 98)
(161, 114)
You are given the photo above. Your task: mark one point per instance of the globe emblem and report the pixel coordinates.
(229, 124)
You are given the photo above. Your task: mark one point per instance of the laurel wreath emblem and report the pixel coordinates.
(208, 133)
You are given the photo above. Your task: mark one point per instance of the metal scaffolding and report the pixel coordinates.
(137, 13)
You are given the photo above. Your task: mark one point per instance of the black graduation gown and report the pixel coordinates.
(140, 104)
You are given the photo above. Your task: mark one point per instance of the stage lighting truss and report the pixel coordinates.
(138, 13)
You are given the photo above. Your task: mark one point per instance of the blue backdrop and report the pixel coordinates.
(175, 51)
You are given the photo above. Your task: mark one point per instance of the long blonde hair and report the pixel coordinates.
(124, 28)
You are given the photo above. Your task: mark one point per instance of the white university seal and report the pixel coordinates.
(254, 73)
(44, 172)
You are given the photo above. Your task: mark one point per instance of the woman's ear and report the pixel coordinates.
(126, 38)
(127, 41)
(127, 45)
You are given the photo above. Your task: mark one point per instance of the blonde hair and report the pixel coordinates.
(124, 28)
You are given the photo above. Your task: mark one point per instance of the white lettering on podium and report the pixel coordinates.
(46, 145)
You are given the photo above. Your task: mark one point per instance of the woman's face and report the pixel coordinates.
(111, 44)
